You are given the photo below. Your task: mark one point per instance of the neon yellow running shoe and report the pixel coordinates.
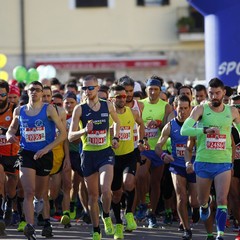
(97, 236)
(131, 224)
(118, 231)
(108, 226)
(21, 226)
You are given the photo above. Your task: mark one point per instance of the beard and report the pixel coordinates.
(3, 103)
(216, 103)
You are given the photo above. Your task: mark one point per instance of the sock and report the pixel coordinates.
(221, 217)
(117, 212)
(10, 200)
(51, 203)
(130, 199)
(96, 229)
(105, 215)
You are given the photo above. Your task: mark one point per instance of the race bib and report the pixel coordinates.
(35, 134)
(151, 132)
(125, 133)
(3, 141)
(180, 149)
(216, 141)
(97, 137)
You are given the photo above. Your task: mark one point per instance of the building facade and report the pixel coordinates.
(108, 38)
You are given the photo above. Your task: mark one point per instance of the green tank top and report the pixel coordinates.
(126, 140)
(153, 112)
(214, 148)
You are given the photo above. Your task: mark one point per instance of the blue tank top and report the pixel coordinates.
(36, 131)
(178, 143)
(99, 137)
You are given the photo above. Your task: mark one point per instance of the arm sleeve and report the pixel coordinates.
(188, 128)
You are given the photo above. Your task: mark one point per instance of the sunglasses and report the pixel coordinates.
(38, 90)
(237, 106)
(89, 88)
(120, 96)
(3, 94)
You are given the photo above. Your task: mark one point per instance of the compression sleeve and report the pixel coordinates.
(188, 128)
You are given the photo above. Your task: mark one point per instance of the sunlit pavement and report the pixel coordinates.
(82, 231)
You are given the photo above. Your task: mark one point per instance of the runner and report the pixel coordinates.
(125, 160)
(214, 150)
(184, 180)
(37, 130)
(8, 159)
(97, 158)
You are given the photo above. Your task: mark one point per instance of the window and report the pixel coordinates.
(152, 2)
(91, 3)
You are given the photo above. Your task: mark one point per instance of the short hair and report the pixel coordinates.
(36, 83)
(200, 87)
(138, 94)
(57, 95)
(55, 81)
(126, 81)
(72, 85)
(90, 78)
(184, 86)
(104, 88)
(182, 98)
(4, 84)
(117, 88)
(45, 87)
(215, 83)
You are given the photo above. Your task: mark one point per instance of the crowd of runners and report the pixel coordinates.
(119, 152)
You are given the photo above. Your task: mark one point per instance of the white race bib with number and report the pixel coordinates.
(216, 142)
(35, 134)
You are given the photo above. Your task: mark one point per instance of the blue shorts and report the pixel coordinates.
(92, 161)
(191, 178)
(156, 161)
(210, 170)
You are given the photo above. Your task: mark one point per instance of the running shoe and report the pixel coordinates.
(108, 226)
(152, 221)
(142, 212)
(2, 228)
(97, 236)
(21, 226)
(168, 218)
(205, 212)
(30, 232)
(47, 230)
(15, 218)
(118, 231)
(131, 224)
(86, 218)
(65, 219)
(187, 235)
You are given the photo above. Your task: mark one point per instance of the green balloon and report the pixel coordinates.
(20, 73)
(33, 75)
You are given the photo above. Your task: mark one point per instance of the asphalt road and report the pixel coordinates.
(82, 231)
